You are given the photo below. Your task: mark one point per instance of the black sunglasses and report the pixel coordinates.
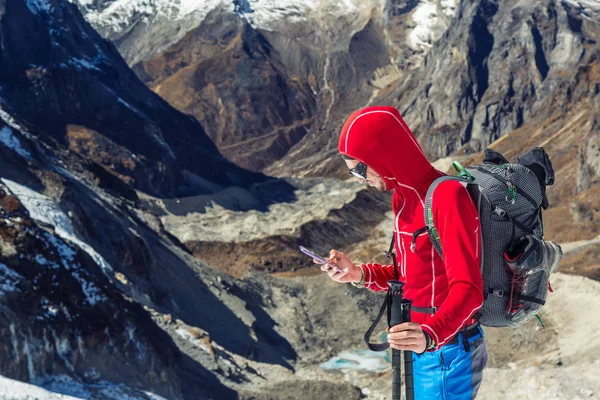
(360, 171)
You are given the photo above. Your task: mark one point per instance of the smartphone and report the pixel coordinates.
(316, 257)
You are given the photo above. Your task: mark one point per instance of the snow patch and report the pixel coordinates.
(10, 140)
(8, 279)
(30, 366)
(81, 64)
(193, 340)
(589, 9)
(449, 7)
(100, 390)
(16, 390)
(91, 292)
(425, 17)
(187, 7)
(121, 14)
(50, 310)
(39, 6)
(9, 120)
(131, 337)
(267, 12)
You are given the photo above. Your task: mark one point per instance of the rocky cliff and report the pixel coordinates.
(72, 87)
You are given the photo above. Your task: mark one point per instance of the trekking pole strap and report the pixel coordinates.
(378, 346)
(390, 254)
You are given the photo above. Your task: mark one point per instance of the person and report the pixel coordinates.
(449, 351)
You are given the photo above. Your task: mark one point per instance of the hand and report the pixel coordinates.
(350, 272)
(407, 336)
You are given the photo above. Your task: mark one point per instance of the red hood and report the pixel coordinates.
(379, 137)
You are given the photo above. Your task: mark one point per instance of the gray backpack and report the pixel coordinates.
(516, 262)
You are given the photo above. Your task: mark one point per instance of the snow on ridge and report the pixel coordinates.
(38, 6)
(44, 209)
(8, 279)
(201, 7)
(17, 390)
(120, 14)
(10, 140)
(449, 7)
(57, 387)
(588, 8)
(425, 17)
(81, 64)
(10, 121)
(265, 13)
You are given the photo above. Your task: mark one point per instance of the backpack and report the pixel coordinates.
(516, 261)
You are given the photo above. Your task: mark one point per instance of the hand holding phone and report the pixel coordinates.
(312, 254)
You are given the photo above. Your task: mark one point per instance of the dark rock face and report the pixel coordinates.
(146, 266)
(230, 77)
(77, 126)
(62, 316)
(74, 87)
(498, 67)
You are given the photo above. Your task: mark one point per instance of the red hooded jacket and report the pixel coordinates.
(379, 137)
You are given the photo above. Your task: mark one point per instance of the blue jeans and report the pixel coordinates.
(451, 373)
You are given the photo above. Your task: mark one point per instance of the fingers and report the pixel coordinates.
(317, 261)
(411, 347)
(407, 336)
(405, 326)
(403, 337)
(335, 255)
(335, 273)
(406, 341)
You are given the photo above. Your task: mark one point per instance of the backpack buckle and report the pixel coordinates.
(499, 212)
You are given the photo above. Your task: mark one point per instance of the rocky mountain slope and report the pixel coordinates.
(73, 87)
(505, 65)
(318, 61)
(121, 223)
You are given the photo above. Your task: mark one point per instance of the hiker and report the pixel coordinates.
(449, 351)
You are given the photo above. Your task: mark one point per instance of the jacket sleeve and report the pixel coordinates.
(377, 276)
(457, 223)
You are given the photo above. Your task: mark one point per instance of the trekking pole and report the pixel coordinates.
(399, 312)
(409, 382)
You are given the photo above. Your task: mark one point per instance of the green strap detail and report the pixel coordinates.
(540, 321)
(511, 194)
(462, 172)
(433, 232)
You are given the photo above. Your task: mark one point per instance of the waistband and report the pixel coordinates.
(466, 333)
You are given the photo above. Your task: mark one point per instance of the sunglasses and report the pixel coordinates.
(360, 171)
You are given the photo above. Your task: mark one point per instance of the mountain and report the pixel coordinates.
(228, 76)
(98, 300)
(511, 76)
(317, 61)
(65, 323)
(138, 262)
(504, 65)
(72, 87)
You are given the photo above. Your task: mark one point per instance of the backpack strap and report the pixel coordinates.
(428, 210)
